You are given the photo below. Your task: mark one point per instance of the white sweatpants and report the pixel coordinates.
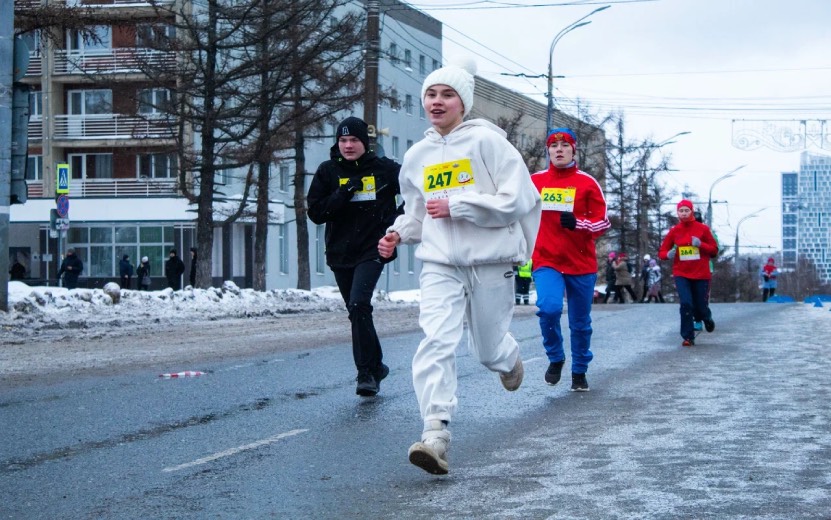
(482, 295)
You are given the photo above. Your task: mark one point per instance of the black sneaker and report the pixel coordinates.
(367, 387)
(379, 374)
(710, 325)
(552, 375)
(579, 383)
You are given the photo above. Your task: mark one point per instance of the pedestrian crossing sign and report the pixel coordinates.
(63, 178)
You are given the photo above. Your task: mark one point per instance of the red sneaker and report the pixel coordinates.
(688, 343)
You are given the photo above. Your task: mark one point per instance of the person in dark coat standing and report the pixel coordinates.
(17, 271)
(71, 269)
(193, 267)
(354, 194)
(174, 268)
(125, 269)
(143, 274)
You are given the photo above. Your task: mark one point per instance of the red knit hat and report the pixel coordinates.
(685, 203)
(562, 134)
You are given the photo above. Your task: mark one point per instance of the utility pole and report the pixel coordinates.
(373, 48)
(6, 57)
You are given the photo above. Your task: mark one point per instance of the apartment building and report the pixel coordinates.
(806, 214)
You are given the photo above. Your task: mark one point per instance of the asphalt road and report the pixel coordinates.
(736, 427)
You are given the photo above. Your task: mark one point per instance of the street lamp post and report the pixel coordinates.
(574, 25)
(710, 197)
(736, 245)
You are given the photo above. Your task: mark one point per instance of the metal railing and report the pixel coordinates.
(112, 126)
(35, 67)
(35, 128)
(111, 188)
(123, 60)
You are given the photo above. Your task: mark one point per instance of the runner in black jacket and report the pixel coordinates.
(354, 194)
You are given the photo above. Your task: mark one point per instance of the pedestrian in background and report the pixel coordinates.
(174, 268)
(522, 279)
(143, 274)
(653, 281)
(193, 267)
(125, 270)
(354, 194)
(471, 205)
(623, 277)
(71, 269)
(768, 274)
(565, 257)
(610, 279)
(690, 245)
(645, 277)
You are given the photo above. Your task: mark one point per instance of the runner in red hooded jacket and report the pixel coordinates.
(690, 245)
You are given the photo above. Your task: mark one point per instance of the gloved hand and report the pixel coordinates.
(696, 241)
(352, 185)
(567, 220)
(671, 254)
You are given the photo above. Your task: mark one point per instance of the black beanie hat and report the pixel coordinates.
(356, 128)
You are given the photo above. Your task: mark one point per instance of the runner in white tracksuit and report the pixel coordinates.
(470, 202)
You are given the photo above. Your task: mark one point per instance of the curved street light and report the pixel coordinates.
(574, 25)
(736, 245)
(710, 196)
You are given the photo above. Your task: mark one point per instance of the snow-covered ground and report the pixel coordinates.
(34, 308)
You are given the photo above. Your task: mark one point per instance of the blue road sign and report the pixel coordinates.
(63, 206)
(63, 178)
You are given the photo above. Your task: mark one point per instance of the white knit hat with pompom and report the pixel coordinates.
(458, 75)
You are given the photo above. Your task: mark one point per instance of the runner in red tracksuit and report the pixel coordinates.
(565, 261)
(690, 245)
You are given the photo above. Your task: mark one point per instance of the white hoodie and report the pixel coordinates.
(494, 208)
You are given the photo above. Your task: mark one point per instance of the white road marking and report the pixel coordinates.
(531, 360)
(234, 451)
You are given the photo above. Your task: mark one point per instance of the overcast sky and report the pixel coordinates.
(671, 66)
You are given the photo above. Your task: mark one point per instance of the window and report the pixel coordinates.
(789, 243)
(421, 114)
(155, 36)
(36, 104)
(101, 247)
(34, 168)
(408, 59)
(422, 65)
(91, 165)
(436, 64)
(395, 147)
(411, 259)
(284, 178)
(408, 104)
(32, 39)
(154, 101)
(99, 42)
(396, 265)
(320, 249)
(284, 248)
(85, 102)
(788, 231)
(393, 54)
(409, 144)
(394, 102)
(157, 166)
(789, 185)
(789, 220)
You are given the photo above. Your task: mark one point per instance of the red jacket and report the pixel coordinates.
(569, 251)
(685, 264)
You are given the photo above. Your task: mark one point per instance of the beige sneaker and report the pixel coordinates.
(513, 379)
(430, 454)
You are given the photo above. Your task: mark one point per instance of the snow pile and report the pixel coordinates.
(37, 308)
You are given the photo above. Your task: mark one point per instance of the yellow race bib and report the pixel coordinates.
(445, 179)
(686, 253)
(558, 199)
(367, 192)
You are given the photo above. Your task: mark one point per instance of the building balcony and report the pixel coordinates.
(112, 126)
(112, 188)
(124, 60)
(35, 67)
(36, 128)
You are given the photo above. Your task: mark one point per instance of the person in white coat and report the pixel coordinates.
(470, 203)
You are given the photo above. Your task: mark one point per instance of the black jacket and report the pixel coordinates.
(70, 276)
(353, 227)
(173, 269)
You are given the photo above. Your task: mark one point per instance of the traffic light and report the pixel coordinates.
(18, 192)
